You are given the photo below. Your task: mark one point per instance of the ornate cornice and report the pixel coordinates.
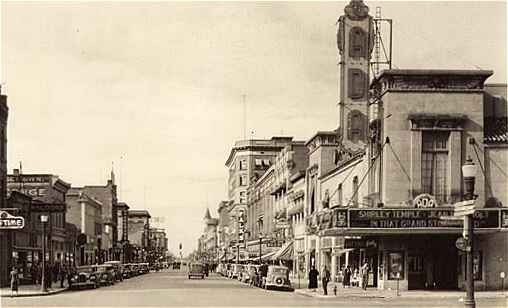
(430, 81)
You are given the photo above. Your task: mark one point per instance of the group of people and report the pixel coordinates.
(359, 277)
(53, 273)
(348, 277)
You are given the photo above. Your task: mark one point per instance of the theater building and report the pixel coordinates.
(383, 186)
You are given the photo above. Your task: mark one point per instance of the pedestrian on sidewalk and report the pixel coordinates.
(14, 280)
(33, 273)
(313, 278)
(325, 278)
(365, 274)
(63, 274)
(346, 274)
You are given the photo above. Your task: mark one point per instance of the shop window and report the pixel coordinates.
(435, 164)
(395, 265)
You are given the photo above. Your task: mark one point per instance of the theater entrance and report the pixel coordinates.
(432, 263)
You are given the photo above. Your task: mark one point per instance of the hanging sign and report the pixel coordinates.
(8, 221)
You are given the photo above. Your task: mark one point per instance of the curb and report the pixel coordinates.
(7, 295)
(337, 296)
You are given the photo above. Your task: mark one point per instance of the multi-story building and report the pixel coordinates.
(5, 257)
(158, 244)
(261, 216)
(85, 213)
(107, 196)
(48, 193)
(223, 232)
(296, 216)
(292, 159)
(209, 241)
(139, 234)
(247, 162)
(381, 186)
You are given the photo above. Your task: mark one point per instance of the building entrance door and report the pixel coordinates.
(441, 268)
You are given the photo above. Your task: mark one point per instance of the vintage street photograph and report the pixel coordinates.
(253, 153)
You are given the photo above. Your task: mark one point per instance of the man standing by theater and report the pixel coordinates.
(364, 272)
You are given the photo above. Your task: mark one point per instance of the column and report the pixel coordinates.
(333, 269)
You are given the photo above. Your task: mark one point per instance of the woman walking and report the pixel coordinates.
(14, 281)
(346, 281)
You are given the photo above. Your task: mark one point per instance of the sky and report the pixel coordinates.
(154, 90)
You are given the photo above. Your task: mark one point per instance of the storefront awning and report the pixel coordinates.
(285, 252)
(268, 256)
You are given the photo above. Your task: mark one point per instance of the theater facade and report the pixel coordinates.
(391, 199)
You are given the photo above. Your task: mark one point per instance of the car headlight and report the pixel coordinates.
(93, 278)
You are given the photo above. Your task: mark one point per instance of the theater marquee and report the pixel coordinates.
(402, 218)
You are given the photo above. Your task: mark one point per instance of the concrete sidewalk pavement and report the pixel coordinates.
(33, 290)
(355, 292)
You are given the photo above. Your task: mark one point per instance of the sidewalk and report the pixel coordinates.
(33, 290)
(355, 292)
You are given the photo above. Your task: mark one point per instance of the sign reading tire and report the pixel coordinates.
(8, 221)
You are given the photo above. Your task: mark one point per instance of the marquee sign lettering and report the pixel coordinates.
(403, 218)
(8, 221)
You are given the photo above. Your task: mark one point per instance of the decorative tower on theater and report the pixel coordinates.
(355, 41)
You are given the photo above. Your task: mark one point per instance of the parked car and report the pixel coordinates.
(117, 269)
(127, 271)
(144, 268)
(85, 277)
(277, 277)
(196, 270)
(105, 274)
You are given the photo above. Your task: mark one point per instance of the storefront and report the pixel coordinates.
(414, 248)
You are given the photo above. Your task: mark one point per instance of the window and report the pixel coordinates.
(359, 42)
(354, 197)
(435, 164)
(243, 164)
(242, 197)
(339, 195)
(356, 126)
(266, 163)
(243, 180)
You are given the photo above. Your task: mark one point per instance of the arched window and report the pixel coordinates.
(355, 192)
(356, 126)
(312, 203)
(339, 195)
(358, 40)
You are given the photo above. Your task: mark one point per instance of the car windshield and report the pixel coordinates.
(196, 267)
(85, 269)
(278, 270)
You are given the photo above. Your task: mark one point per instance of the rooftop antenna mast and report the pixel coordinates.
(382, 56)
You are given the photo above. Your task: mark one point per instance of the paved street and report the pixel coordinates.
(174, 289)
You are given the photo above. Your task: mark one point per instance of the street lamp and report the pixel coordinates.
(44, 220)
(468, 174)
